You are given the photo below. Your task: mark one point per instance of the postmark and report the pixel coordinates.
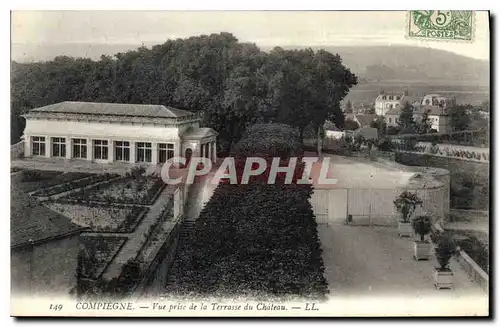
(447, 25)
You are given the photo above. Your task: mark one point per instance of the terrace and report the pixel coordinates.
(128, 219)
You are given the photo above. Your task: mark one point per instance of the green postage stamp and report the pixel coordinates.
(441, 24)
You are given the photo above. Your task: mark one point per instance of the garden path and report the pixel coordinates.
(374, 261)
(136, 239)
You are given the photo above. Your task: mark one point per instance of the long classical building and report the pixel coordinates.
(115, 132)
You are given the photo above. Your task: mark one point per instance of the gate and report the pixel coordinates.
(329, 205)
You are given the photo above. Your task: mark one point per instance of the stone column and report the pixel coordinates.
(90, 149)
(48, 148)
(27, 146)
(214, 152)
(69, 148)
(154, 153)
(111, 151)
(202, 150)
(132, 151)
(177, 149)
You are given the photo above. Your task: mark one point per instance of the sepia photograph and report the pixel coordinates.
(250, 163)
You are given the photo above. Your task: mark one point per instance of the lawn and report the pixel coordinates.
(127, 190)
(32, 180)
(101, 218)
(96, 252)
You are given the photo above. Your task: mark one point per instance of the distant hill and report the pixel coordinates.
(407, 63)
(371, 63)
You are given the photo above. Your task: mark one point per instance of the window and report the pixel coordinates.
(384, 97)
(58, 147)
(101, 149)
(390, 106)
(80, 148)
(390, 97)
(143, 152)
(38, 145)
(165, 151)
(427, 102)
(398, 98)
(122, 151)
(390, 120)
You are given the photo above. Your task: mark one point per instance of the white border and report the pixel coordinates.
(196, 5)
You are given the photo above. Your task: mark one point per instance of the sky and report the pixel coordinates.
(265, 28)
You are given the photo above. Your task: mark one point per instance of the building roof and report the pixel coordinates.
(365, 120)
(199, 133)
(369, 133)
(114, 109)
(401, 96)
(32, 222)
(359, 173)
(349, 116)
(329, 126)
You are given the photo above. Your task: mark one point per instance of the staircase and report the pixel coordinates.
(187, 229)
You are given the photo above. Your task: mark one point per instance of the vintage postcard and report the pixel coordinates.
(250, 163)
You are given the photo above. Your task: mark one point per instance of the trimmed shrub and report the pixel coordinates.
(254, 239)
(257, 239)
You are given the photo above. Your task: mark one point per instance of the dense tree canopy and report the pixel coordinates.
(233, 84)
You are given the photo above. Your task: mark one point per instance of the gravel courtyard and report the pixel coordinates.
(367, 262)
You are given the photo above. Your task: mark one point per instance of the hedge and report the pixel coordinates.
(274, 140)
(254, 240)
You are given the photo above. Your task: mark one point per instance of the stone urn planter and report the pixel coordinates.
(405, 204)
(405, 229)
(422, 225)
(443, 275)
(422, 250)
(443, 278)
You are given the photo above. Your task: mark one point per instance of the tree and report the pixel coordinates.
(380, 124)
(485, 106)
(232, 84)
(422, 225)
(350, 125)
(348, 106)
(425, 125)
(460, 117)
(445, 249)
(406, 203)
(406, 120)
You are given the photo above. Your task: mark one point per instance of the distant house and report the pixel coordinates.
(116, 132)
(332, 132)
(440, 120)
(387, 101)
(437, 100)
(44, 247)
(439, 117)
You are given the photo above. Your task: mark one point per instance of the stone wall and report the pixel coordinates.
(17, 150)
(461, 171)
